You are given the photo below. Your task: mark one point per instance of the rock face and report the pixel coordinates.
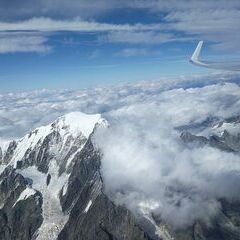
(5, 159)
(51, 187)
(226, 142)
(92, 214)
(18, 219)
(1, 155)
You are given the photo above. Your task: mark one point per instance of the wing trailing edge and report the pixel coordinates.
(229, 66)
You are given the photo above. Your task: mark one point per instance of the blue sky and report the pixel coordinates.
(79, 44)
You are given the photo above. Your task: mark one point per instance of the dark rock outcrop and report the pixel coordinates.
(103, 221)
(1, 155)
(225, 142)
(18, 219)
(6, 158)
(92, 214)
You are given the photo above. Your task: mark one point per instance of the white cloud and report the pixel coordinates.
(144, 161)
(135, 37)
(23, 42)
(133, 52)
(216, 25)
(77, 24)
(14, 37)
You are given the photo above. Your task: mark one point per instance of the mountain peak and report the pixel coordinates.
(76, 122)
(65, 131)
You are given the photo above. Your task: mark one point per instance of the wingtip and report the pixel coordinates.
(197, 51)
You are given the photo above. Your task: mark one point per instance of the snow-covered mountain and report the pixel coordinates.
(51, 187)
(69, 132)
(50, 184)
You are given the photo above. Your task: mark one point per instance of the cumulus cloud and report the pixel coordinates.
(146, 168)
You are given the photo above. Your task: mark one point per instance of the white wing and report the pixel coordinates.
(232, 66)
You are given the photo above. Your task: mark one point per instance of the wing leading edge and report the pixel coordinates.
(195, 59)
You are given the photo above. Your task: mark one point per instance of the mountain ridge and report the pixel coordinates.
(56, 170)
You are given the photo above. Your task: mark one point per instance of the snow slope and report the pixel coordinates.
(68, 135)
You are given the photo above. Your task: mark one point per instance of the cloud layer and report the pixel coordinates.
(20, 112)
